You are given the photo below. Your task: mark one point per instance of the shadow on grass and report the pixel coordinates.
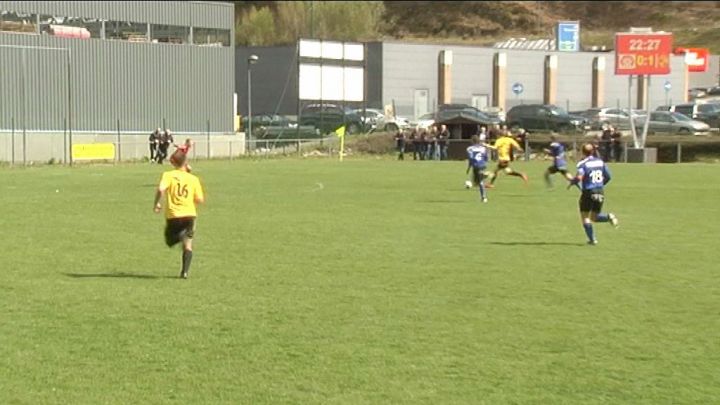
(117, 275)
(536, 244)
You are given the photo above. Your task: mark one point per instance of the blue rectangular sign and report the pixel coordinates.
(568, 36)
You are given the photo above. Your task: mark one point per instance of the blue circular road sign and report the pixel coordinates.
(667, 85)
(517, 88)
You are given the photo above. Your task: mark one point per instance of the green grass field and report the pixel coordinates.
(368, 281)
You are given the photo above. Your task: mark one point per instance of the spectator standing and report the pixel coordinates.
(616, 145)
(483, 133)
(443, 145)
(423, 145)
(166, 139)
(605, 140)
(400, 144)
(431, 144)
(415, 144)
(153, 140)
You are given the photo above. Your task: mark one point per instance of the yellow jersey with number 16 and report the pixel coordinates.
(181, 190)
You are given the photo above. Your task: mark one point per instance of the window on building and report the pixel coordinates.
(71, 27)
(12, 21)
(171, 34)
(211, 37)
(126, 31)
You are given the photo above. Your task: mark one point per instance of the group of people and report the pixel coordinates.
(427, 144)
(432, 144)
(160, 142)
(591, 176)
(609, 143)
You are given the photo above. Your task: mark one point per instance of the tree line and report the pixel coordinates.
(284, 22)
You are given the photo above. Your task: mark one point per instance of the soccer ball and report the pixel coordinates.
(468, 184)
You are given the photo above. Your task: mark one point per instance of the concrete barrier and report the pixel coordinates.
(42, 147)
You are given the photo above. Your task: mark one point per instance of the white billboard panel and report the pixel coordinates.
(354, 84)
(310, 49)
(332, 83)
(331, 50)
(354, 52)
(309, 77)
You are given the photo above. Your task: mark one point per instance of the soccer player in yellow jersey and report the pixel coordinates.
(183, 191)
(505, 145)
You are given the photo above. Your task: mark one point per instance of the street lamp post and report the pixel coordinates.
(252, 59)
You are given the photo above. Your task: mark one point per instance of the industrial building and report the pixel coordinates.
(416, 77)
(95, 67)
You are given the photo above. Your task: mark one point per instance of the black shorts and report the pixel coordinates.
(178, 228)
(503, 164)
(554, 169)
(591, 201)
(478, 174)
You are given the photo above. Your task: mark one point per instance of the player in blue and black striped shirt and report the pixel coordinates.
(557, 151)
(477, 155)
(591, 178)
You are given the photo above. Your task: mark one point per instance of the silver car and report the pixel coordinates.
(672, 123)
(617, 117)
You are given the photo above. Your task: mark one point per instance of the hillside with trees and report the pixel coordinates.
(261, 23)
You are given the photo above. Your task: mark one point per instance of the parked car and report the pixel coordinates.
(486, 112)
(697, 92)
(617, 117)
(669, 122)
(376, 120)
(708, 113)
(392, 123)
(545, 117)
(497, 112)
(369, 116)
(329, 117)
(423, 122)
(269, 120)
(469, 113)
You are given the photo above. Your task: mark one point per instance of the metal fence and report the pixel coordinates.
(18, 148)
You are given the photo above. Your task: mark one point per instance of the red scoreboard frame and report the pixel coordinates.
(642, 54)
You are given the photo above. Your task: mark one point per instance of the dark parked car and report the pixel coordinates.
(545, 117)
(329, 117)
(491, 114)
(467, 112)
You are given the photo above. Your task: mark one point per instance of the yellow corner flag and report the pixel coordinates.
(340, 132)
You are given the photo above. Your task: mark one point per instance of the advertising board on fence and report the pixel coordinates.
(93, 151)
(642, 54)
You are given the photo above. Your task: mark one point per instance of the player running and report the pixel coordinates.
(185, 148)
(505, 145)
(183, 191)
(477, 155)
(557, 151)
(591, 178)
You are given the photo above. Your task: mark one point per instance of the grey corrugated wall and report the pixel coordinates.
(137, 83)
(406, 67)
